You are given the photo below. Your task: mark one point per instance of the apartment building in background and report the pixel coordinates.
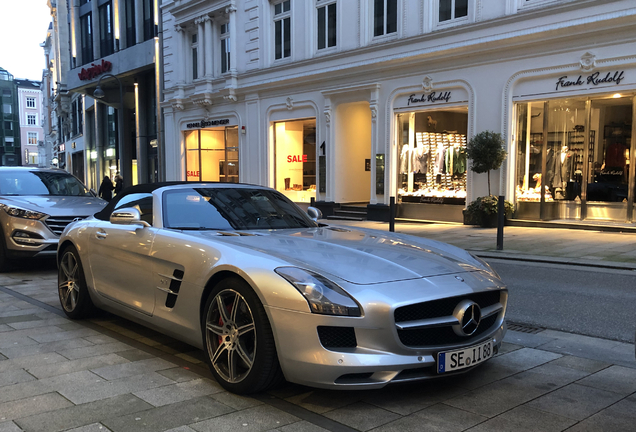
(30, 114)
(10, 141)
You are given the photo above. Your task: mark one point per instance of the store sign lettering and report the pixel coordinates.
(207, 123)
(431, 98)
(593, 79)
(297, 158)
(95, 70)
(193, 173)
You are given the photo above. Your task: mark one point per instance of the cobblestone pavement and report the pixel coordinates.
(108, 374)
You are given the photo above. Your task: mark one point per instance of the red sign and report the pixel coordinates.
(95, 70)
(297, 158)
(192, 173)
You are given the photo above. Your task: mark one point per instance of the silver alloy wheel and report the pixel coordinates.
(231, 338)
(68, 283)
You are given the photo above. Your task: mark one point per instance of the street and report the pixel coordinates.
(577, 299)
(109, 374)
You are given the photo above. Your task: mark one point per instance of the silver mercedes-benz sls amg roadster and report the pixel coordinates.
(270, 293)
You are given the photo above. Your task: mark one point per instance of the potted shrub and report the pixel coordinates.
(483, 211)
(486, 152)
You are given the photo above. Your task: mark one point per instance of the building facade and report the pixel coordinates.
(359, 101)
(10, 141)
(104, 100)
(30, 113)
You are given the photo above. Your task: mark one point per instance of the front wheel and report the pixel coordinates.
(73, 292)
(238, 339)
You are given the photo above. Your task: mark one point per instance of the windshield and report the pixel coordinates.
(16, 183)
(231, 209)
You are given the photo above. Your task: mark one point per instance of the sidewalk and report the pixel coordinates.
(109, 374)
(567, 246)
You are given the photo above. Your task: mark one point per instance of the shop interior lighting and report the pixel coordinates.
(617, 95)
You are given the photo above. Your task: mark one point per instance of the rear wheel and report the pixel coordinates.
(73, 292)
(238, 339)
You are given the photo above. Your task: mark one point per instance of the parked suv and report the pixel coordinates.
(35, 206)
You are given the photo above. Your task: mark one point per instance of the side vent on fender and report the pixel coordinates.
(173, 290)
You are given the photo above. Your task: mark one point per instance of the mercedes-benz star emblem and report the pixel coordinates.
(468, 314)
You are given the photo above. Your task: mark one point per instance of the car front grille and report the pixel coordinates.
(441, 335)
(58, 223)
(337, 337)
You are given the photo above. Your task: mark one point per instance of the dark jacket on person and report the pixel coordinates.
(106, 189)
(119, 185)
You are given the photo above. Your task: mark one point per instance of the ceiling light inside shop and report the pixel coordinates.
(617, 95)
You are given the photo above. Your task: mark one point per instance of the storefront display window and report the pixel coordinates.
(212, 155)
(432, 156)
(295, 150)
(577, 150)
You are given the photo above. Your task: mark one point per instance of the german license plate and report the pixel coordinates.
(449, 361)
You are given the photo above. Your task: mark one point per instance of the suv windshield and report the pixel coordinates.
(41, 183)
(231, 209)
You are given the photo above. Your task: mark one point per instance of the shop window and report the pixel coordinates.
(282, 30)
(295, 154)
(225, 47)
(30, 102)
(586, 147)
(432, 157)
(106, 43)
(384, 17)
(326, 24)
(32, 158)
(212, 155)
(452, 9)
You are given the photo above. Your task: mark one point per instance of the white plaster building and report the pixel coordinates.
(355, 101)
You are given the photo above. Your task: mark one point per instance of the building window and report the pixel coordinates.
(7, 108)
(452, 9)
(326, 25)
(8, 141)
(32, 119)
(86, 36)
(131, 29)
(32, 158)
(195, 60)
(384, 17)
(6, 92)
(8, 126)
(106, 43)
(282, 29)
(225, 48)
(149, 19)
(79, 117)
(30, 102)
(32, 138)
(73, 116)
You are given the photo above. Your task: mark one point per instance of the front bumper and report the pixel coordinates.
(25, 238)
(377, 355)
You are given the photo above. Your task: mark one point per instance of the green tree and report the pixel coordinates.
(486, 151)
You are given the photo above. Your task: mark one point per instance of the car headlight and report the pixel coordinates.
(486, 266)
(22, 213)
(324, 296)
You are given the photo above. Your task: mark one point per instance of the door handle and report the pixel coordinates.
(101, 234)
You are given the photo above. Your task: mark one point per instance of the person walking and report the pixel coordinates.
(106, 189)
(119, 184)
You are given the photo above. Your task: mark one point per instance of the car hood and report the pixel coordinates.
(57, 205)
(355, 255)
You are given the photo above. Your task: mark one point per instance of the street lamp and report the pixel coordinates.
(99, 94)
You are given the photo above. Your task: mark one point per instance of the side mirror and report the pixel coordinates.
(314, 213)
(127, 216)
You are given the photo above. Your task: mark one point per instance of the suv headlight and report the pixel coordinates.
(22, 213)
(324, 296)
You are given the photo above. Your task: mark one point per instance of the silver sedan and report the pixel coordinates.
(269, 293)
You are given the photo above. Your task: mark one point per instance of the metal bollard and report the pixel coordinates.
(392, 215)
(501, 214)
